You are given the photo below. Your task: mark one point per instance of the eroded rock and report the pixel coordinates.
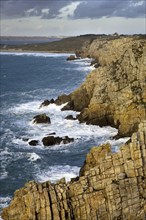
(62, 99)
(42, 118)
(47, 102)
(51, 140)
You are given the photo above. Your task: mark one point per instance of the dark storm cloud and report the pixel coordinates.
(111, 8)
(23, 8)
(86, 9)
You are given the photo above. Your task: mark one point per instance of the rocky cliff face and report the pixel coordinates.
(110, 186)
(114, 93)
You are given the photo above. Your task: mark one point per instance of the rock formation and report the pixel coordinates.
(42, 118)
(51, 140)
(71, 57)
(115, 92)
(111, 186)
(46, 103)
(33, 142)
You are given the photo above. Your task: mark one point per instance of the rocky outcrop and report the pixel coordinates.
(114, 93)
(42, 118)
(111, 186)
(71, 57)
(51, 140)
(33, 142)
(46, 102)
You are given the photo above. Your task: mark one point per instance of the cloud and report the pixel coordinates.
(111, 8)
(68, 11)
(27, 8)
(73, 9)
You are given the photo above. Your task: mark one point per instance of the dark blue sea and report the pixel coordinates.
(26, 80)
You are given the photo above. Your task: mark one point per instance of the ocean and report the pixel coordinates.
(26, 80)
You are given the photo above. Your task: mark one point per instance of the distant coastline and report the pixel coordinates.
(33, 51)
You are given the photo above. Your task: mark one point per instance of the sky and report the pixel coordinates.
(70, 18)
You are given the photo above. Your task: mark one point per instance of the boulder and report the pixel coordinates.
(51, 140)
(42, 118)
(47, 102)
(33, 142)
(71, 57)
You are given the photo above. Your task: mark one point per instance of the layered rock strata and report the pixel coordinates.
(111, 186)
(115, 92)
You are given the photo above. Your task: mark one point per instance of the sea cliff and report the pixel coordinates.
(110, 185)
(115, 92)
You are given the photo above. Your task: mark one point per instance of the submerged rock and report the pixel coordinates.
(51, 140)
(25, 139)
(42, 118)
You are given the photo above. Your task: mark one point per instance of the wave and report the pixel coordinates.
(55, 173)
(36, 54)
(33, 157)
(4, 202)
(24, 113)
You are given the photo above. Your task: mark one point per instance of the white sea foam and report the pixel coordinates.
(25, 112)
(83, 65)
(117, 143)
(3, 175)
(4, 202)
(33, 157)
(54, 173)
(4, 160)
(25, 108)
(36, 54)
(59, 125)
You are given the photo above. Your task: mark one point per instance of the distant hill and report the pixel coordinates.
(12, 40)
(69, 44)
